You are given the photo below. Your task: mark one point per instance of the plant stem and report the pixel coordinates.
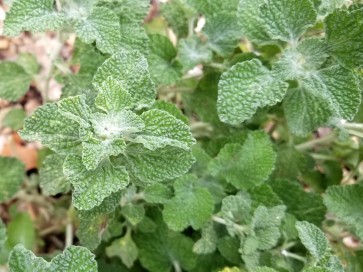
(293, 256)
(69, 234)
(322, 157)
(177, 267)
(220, 220)
(311, 144)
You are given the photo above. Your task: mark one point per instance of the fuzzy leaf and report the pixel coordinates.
(298, 63)
(92, 187)
(52, 179)
(250, 20)
(52, 129)
(223, 33)
(266, 223)
(192, 51)
(313, 239)
(162, 129)
(303, 205)
(124, 248)
(208, 242)
(171, 109)
(157, 193)
(130, 69)
(161, 249)
(75, 259)
(32, 15)
(11, 178)
(113, 97)
(94, 222)
(154, 166)
(344, 35)
(246, 87)
(287, 20)
(346, 203)
(192, 205)
(164, 68)
(245, 166)
(14, 82)
(133, 213)
(93, 152)
(76, 109)
(327, 93)
(101, 26)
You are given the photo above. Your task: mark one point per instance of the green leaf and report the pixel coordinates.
(300, 62)
(236, 209)
(75, 109)
(328, 6)
(264, 195)
(303, 205)
(133, 37)
(208, 242)
(130, 69)
(113, 97)
(171, 109)
(14, 82)
(346, 203)
(11, 178)
(344, 33)
(14, 119)
(52, 129)
(287, 20)
(327, 93)
(250, 20)
(162, 164)
(223, 33)
(134, 213)
(164, 68)
(29, 63)
(75, 259)
(246, 87)
(266, 223)
(306, 110)
(191, 52)
(128, 10)
(157, 193)
(101, 26)
(95, 151)
(192, 205)
(177, 13)
(211, 7)
(116, 126)
(52, 179)
(162, 129)
(245, 166)
(162, 249)
(32, 15)
(313, 239)
(124, 248)
(92, 187)
(94, 222)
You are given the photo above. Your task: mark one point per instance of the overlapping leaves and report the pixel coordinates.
(323, 93)
(106, 142)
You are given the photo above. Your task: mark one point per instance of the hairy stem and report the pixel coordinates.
(320, 141)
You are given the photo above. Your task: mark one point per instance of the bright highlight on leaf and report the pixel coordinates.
(77, 259)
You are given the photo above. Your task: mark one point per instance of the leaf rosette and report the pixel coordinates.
(115, 138)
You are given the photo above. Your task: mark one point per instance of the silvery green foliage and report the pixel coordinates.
(110, 140)
(323, 93)
(92, 21)
(77, 259)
